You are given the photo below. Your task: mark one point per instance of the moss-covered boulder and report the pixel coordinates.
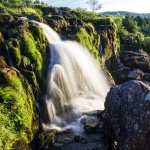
(30, 50)
(106, 28)
(14, 50)
(89, 38)
(17, 109)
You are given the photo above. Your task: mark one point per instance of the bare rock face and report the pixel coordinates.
(127, 115)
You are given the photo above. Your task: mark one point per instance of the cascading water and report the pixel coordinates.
(76, 84)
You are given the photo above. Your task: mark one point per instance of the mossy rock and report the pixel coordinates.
(44, 140)
(17, 109)
(58, 23)
(3, 63)
(2, 8)
(14, 50)
(26, 63)
(88, 37)
(30, 50)
(39, 37)
(5, 18)
(31, 77)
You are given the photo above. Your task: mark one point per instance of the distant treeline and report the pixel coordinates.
(124, 13)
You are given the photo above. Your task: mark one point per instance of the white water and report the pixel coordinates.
(76, 84)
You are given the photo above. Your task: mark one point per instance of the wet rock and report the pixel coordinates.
(127, 115)
(91, 124)
(147, 77)
(130, 66)
(44, 140)
(136, 59)
(58, 23)
(80, 142)
(80, 139)
(136, 74)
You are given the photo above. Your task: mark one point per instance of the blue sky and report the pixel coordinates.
(141, 6)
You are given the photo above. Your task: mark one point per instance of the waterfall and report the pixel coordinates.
(76, 84)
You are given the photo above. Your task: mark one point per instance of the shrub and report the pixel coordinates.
(130, 24)
(146, 44)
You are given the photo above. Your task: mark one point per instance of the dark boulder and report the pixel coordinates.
(131, 65)
(127, 115)
(136, 59)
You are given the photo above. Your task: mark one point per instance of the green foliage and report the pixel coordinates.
(17, 10)
(19, 2)
(144, 25)
(85, 15)
(130, 41)
(146, 44)
(15, 1)
(16, 109)
(130, 24)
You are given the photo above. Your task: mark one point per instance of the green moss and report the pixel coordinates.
(30, 75)
(14, 50)
(25, 62)
(39, 36)
(16, 109)
(30, 50)
(88, 37)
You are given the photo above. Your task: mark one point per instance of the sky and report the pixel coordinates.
(140, 6)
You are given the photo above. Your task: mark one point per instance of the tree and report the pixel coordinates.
(130, 24)
(94, 4)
